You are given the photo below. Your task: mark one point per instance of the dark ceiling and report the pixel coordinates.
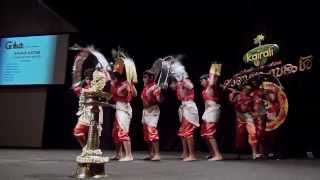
(162, 23)
(114, 14)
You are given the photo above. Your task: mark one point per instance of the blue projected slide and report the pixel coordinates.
(30, 60)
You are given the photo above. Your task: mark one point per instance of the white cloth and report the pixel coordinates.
(123, 115)
(212, 112)
(189, 110)
(150, 115)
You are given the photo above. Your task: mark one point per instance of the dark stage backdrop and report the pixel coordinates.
(203, 31)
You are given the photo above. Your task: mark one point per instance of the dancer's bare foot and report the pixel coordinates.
(125, 159)
(148, 158)
(258, 157)
(254, 156)
(151, 155)
(155, 158)
(190, 158)
(216, 158)
(183, 156)
(115, 158)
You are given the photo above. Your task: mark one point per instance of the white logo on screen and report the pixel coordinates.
(13, 45)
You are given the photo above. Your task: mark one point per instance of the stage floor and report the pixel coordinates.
(59, 164)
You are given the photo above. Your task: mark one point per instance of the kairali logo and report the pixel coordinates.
(268, 74)
(260, 55)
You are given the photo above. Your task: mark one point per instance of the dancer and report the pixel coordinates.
(188, 115)
(123, 90)
(95, 80)
(80, 131)
(244, 107)
(260, 116)
(270, 137)
(211, 115)
(151, 97)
